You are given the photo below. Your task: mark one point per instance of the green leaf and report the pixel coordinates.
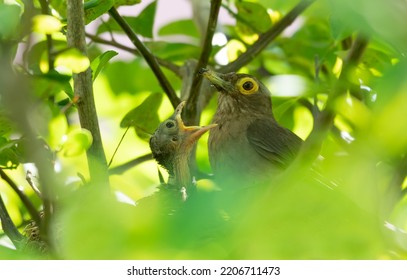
(173, 51)
(133, 77)
(77, 142)
(57, 127)
(60, 6)
(142, 24)
(74, 60)
(5, 124)
(100, 62)
(181, 27)
(339, 29)
(9, 155)
(254, 15)
(37, 55)
(144, 118)
(118, 3)
(9, 20)
(96, 8)
(57, 77)
(49, 84)
(46, 24)
(278, 5)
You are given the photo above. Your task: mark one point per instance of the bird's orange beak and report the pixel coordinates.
(192, 133)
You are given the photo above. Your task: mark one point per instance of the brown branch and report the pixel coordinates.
(266, 38)
(124, 167)
(27, 203)
(97, 163)
(148, 56)
(165, 63)
(191, 111)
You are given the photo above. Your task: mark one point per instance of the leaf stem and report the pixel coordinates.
(118, 145)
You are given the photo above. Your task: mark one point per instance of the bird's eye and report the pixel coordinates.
(169, 124)
(174, 138)
(247, 86)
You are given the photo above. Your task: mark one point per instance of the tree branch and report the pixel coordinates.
(165, 63)
(266, 38)
(8, 226)
(324, 121)
(148, 56)
(27, 203)
(124, 167)
(83, 88)
(191, 111)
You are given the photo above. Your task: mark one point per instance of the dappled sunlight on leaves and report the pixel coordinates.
(46, 24)
(73, 60)
(76, 142)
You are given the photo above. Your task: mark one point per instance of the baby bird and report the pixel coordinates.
(171, 145)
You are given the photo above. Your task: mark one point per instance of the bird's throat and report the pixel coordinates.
(181, 171)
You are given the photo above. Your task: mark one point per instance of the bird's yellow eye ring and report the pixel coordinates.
(247, 86)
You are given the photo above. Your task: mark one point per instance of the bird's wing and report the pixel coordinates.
(273, 142)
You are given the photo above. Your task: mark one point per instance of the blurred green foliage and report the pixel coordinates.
(357, 211)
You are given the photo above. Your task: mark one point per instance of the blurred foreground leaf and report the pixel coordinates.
(74, 60)
(46, 24)
(77, 142)
(9, 19)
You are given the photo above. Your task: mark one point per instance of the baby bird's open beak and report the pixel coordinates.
(190, 134)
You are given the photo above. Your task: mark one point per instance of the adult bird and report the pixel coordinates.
(248, 144)
(171, 145)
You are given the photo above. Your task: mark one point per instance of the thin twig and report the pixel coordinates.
(27, 203)
(148, 56)
(192, 105)
(118, 145)
(165, 63)
(8, 226)
(266, 38)
(124, 167)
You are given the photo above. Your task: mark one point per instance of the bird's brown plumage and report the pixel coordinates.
(248, 144)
